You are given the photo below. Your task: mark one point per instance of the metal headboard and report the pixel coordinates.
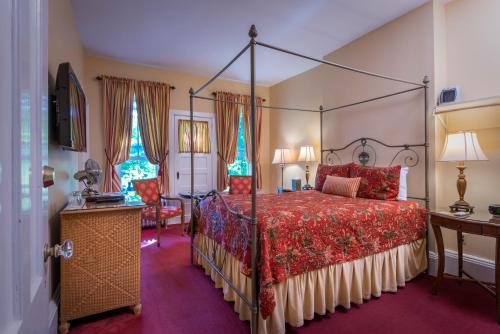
(364, 152)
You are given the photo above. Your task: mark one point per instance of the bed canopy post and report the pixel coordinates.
(321, 132)
(255, 284)
(191, 146)
(426, 130)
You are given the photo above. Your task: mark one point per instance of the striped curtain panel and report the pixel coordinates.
(153, 107)
(245, 100)
(118, 99)
(227, 119)
(201, 136)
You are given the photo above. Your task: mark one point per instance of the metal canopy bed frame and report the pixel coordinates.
(361, 145)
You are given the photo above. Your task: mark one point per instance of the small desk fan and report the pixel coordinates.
(91, 175)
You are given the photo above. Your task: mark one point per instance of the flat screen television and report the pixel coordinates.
(70, 110)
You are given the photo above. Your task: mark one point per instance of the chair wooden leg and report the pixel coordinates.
(158, 231)
(182, 224)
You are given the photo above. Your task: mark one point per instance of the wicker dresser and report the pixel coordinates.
(104, 271)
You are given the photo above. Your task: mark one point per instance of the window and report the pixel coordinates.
(240, 166)
(201, 138)
(137, 166)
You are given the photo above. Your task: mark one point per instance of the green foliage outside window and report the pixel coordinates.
(137, 166)
(240, 165)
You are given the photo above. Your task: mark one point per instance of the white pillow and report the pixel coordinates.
(403, 187)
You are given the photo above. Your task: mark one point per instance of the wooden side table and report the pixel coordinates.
(478, 223)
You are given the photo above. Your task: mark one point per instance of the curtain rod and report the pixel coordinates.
(215, 94)
(99, 77)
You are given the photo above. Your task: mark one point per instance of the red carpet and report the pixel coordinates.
(178, 298)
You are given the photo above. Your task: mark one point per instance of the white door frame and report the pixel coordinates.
(24, 290)
(172, 140)
(171, 157)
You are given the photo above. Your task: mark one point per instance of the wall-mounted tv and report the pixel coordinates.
(70, 109)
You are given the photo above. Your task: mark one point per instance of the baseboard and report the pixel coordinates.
(481, 268)
(53, 311)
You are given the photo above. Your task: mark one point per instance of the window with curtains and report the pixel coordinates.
(201, 137)
(240, 166)
(137, 166)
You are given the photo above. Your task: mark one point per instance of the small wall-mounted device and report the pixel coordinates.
(449, 95)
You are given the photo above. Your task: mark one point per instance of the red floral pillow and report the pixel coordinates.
(377, 182)
(240, 184)
(324, 170)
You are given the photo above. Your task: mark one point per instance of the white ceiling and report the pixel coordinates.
(201, 36)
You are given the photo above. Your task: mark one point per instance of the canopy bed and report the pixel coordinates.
(283, 258)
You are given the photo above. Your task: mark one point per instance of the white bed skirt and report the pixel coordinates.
(299, 297)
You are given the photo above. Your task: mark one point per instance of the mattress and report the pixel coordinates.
(304, 231)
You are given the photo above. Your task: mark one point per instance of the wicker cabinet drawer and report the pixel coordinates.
(104, 272)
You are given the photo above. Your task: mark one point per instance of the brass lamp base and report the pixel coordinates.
(461, 205)
(307, 186)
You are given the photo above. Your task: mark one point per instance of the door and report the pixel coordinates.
(24, 305)
(204, 164)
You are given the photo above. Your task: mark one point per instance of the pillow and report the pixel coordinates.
(403, 188)
(377, 182)
(324, 170)
(240, 184)
(342, 186)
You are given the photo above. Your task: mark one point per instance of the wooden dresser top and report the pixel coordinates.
(89, 207)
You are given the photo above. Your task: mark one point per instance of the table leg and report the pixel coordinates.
(460, 255)
(497, 277)
(440, 249)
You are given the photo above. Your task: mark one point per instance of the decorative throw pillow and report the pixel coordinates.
(342, 186)
(377, 182)
(240, 184)
(324, 170)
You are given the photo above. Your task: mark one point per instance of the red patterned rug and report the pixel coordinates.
(178, 298)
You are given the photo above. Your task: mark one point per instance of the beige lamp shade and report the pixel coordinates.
(462, 146)
(307, 154)
(282, 156)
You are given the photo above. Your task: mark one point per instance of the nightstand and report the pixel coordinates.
(479, 223)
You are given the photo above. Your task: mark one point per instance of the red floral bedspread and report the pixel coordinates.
(305, 231)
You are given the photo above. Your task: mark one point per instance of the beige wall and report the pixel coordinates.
(402, 48)
(63, 46)
(472, 63)
(473, 45)
(292, 129)
(95, 66)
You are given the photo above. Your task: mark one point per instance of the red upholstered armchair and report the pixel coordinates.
(149, 191)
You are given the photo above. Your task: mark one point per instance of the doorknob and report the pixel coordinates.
(65, 250)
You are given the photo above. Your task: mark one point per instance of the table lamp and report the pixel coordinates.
(460, 147)
(282, 156)
(307, 155)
